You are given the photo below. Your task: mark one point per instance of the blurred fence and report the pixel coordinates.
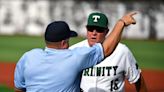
(31, 16)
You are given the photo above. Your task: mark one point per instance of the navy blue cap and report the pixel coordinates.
(58, 31)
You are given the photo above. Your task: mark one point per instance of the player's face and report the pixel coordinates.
(96, 34)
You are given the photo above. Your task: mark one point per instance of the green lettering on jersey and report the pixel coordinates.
(86, 72)
(98, 71)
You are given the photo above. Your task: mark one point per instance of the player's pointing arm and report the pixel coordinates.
(115, 35)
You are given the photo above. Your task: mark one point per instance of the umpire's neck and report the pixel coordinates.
(64, 44)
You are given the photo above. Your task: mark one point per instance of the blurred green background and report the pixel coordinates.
(148, 53)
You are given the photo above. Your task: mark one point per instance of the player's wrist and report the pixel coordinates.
(121, 20)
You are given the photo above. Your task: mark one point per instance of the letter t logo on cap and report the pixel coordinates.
(96, 17)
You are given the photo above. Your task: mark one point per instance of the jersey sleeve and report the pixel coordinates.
(89, 56)
(19, 80)
(132, 71)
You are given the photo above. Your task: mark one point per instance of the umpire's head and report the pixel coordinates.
(57, 34)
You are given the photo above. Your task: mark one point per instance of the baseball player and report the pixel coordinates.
(109, 75)
(58, 69)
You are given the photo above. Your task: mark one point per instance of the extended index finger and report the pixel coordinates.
(132, 13)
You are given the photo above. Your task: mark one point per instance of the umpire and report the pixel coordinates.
(57, 69)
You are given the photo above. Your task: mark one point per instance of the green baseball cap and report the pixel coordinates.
(98, 19)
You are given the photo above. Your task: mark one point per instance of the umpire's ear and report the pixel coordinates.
(64, 44)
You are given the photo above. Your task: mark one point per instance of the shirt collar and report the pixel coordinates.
(52, 49)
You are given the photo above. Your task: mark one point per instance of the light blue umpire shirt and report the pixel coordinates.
(54, 70)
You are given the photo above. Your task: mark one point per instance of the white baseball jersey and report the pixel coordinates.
(109, 75)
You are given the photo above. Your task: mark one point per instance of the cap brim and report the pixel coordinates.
(96, 26)
(73, 34)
